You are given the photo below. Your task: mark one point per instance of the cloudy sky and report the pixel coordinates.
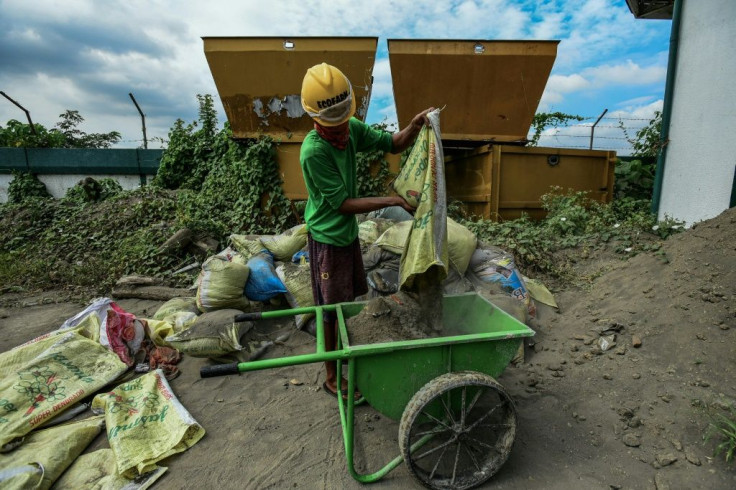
(88, 55)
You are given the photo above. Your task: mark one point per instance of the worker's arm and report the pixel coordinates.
(404, 138)
(367, 204)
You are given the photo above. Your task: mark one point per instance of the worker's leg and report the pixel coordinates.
(330, 344)
(337, 276)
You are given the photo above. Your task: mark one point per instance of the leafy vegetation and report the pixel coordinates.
(574, 222)
(543, 120)
(225, 186)
(71, 242)
(723, 429)
(65, 134)
(635, 177)
(26, 186)
(216, 185)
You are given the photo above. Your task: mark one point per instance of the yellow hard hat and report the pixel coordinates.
(327, 95)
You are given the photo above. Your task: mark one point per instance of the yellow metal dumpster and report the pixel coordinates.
(259, 80)
(490, 91)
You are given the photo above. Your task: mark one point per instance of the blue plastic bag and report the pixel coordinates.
(263, 283)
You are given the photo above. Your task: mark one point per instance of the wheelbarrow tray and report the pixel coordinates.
(476, 336)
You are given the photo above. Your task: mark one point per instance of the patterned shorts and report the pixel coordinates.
(337, 273)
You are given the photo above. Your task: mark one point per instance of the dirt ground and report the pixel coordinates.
(630, 417)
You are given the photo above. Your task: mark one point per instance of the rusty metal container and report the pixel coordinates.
(490, 91)
(259, 79)
(504, 181)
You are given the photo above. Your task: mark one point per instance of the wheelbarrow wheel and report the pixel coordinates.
(457, 430)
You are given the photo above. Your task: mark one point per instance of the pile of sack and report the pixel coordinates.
(92, 362)
(254, 270)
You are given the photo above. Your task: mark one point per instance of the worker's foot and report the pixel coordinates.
(331, 389)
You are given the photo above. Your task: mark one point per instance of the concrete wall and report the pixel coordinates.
(62, 168)
(701, 156)
(57, 185)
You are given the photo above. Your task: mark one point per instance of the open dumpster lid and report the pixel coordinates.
(259, 79)
(490, 89)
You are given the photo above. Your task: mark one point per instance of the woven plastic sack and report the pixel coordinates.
(17, 357)
(461, 243)
(298, 281)
(411, 182)
(51, 381)
(176, 305)
(220, 285)
(145, 423)
(247, 245)
(232, 255)
(98, 470)
(98, 307)
(263, 283)
(214, 334)
(179, 312)
(370, 230)
(158, 330)
(45, 454)
(285, 245)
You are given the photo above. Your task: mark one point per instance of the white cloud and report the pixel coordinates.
(627, 73)
(154, 50)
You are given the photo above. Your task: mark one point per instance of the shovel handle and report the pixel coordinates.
(218, 370)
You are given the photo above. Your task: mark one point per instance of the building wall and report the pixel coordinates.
(62, 168)
(58, 185)
(701, 155)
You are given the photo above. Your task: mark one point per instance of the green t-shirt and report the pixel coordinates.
(330, 177)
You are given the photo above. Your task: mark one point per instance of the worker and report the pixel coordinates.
(329, 167)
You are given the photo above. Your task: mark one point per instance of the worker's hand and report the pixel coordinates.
(400, 201)
(421, 119)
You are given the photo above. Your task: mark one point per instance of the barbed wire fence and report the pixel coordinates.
(612, 138)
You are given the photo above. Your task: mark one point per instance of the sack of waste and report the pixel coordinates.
(392, 213)
(461, 242)
(493, 265)
(19, 356)
(98, 470)
(145, 423)
(214, 334)
(119, 330)
(370, 230)
(220, 285)
(247, 245)
(263, 283)
(285, 245)
(51, 381)
(298, 281)
(411, 182)
(232, 255)
(179, 312)
(46, 454)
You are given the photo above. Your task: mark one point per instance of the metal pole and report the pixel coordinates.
(592, 129)
(143, 121)
(28, 114)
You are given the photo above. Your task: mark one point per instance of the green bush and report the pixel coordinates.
(25, 186)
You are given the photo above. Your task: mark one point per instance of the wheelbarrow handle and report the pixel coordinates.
(218, 370)
(248, 317)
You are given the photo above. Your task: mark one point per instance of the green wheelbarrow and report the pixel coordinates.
(456, 422)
